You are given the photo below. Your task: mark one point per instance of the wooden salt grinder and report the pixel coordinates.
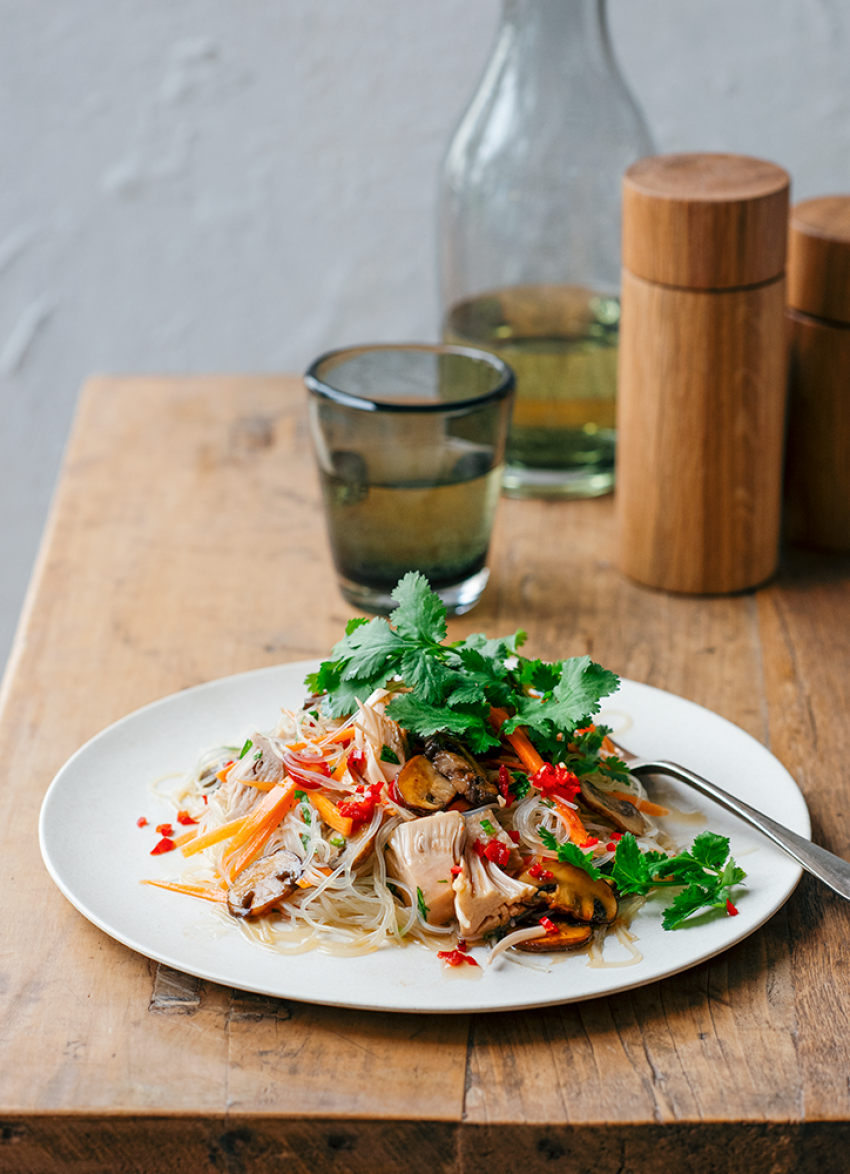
(817, 471)
(701, 385)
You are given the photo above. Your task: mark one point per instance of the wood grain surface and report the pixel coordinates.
(701, 418)
(186, 542)
(819, 258)
(817, 459)
(705, 221)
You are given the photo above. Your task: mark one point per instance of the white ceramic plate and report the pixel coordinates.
(97, 855)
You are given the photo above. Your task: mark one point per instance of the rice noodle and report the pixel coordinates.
(346, 904)
(511, 939)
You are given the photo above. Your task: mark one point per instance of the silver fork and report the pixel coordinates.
(826, 866)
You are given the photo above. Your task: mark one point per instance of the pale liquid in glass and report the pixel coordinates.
(562, 344)
(378, 532)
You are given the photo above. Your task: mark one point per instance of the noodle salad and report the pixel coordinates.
(447, 794)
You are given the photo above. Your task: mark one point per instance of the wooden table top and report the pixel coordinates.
(157, 572)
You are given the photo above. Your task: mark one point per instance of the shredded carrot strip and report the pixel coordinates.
(207, 839)
(571, 821)
(331, 814)
(520, 741)
(259, 825)
(339, 769)
(641, 804)
(185, 837)
(203, 891)
(222, 774)
(344, 735)
(305, 883)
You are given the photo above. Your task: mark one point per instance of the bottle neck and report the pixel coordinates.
(555, 36)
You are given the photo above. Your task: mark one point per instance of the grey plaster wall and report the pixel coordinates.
(234, 185)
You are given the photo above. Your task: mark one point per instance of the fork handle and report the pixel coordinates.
(826, 866)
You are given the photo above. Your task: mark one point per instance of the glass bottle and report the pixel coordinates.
(530, 236)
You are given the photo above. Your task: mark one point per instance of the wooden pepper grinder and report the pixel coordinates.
(701, 386)
(817, 473)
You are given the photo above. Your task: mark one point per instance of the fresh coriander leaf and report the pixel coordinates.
(354, 623)
(710, 850)
(704, 872)
(423, 908)
(423, 671)
(539, 675)
(569, 853)
(614, 768)
(425, 719)
(575, 698)
(520, 786)
(480, 681)
(495, 650)
(480, 738)
(582, 766)
(589, 741)
(342, 700)
(471, 692)
(631, 872)
(689, 901)
(732, 874)
(421, 614)
(389, 755)
(371, 648)
(326, 678)
(683, 869)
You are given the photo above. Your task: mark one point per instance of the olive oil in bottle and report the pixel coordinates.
(561, 342)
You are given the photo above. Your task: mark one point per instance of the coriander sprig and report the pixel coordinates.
(707, 872)
(452, 687)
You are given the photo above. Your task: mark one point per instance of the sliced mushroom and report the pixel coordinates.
(573, 893)
(623, 815)
(422, 787)
(461, 769)
(263, 886)
(568, 937)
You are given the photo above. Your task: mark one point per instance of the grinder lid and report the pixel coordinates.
(705, 221)
(819, 258)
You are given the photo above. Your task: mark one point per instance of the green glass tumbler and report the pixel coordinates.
(410, 444)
